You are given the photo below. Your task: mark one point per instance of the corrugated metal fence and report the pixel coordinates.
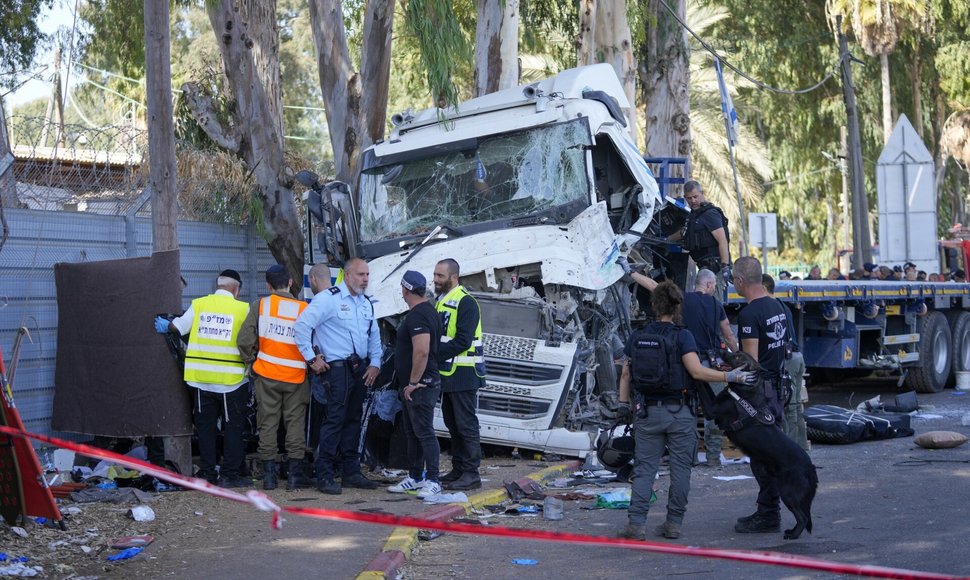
(40, 239)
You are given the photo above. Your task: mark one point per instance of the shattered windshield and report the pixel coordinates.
(505, 176)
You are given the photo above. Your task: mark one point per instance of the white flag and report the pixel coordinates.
(727, 106)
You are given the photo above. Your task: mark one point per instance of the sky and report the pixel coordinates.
(60, 14)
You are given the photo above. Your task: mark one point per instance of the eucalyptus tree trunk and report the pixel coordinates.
(605, 37)
(887, 107)
(665, 77)
(249, 45)
(355, 101)
(496, 46)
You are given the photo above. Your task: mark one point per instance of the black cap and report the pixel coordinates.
(959, 274)
(868, 266)
(909, 266)
(414, 281)
(897, 268)
(231, 274)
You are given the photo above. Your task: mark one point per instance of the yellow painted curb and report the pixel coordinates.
(403, 539)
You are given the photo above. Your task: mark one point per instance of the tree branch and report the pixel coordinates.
(204, 112)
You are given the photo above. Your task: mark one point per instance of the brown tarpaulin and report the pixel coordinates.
(114, 374)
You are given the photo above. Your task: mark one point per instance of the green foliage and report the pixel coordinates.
(953, 62)
(20, 38)
(442, 44)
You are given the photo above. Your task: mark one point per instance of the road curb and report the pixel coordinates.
(397, 549)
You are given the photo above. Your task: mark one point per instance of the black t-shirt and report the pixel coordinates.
(766, 319)
(422, 319)
(702, 315)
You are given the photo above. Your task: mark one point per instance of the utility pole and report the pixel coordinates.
(161, 156)
(861, 246)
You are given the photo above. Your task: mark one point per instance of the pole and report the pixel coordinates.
(861, 247)
(764, 243)
(844, 169)
(161, 156)
(742, 243)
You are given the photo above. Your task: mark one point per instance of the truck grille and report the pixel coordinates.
(512, 347)
(505, 406)
(522, 372)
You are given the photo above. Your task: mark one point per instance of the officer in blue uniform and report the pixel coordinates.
(348, 353)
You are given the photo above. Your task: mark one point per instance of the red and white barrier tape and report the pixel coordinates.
(262, 502)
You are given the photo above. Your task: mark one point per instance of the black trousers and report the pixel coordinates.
(769, 500)
(340, 430)
(459, 409)
(207, 409)
(423, 451)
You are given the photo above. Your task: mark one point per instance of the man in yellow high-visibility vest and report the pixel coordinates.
(266, 341)
(461, 362)
(217, 374)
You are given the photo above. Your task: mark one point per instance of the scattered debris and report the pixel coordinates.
(142, 513)
(552, 508)
(125, 554)
(618, 498)
(141, 541)
(428, 535)
(524, 562)
(19, 531)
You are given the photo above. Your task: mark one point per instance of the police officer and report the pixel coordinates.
(705, 318)
(706, 234)
(343, 319)
(795, 426)
(461, 362)
(764, 333)
(216, 372)
(266, 342)
(665, 415)
(319, 277)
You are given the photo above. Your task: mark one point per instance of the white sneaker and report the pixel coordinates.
(407, 484)
(429, 489)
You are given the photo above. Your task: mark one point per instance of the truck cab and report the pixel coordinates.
(536, 191)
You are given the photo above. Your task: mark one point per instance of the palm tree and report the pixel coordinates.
(877, 25)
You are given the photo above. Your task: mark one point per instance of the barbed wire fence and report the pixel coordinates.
(104, 170)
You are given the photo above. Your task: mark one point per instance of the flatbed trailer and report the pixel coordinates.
(846, 328)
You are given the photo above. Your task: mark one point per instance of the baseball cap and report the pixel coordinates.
(414, 281)
(868, 266)
(909, 266)
(897, 268)
(784, 275)
(231, 274)
(959, 274)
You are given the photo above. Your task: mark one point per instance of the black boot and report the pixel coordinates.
(270, 475)
(295, 478)
(759, 523)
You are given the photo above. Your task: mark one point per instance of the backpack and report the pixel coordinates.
(656, 365)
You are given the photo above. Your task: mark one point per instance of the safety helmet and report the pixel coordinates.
(615, 446)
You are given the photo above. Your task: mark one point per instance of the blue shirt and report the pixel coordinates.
(340, 324)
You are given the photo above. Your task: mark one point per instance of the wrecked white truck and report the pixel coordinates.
(535, 191)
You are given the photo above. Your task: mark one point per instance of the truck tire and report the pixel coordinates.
(935, 354)
(960, 332)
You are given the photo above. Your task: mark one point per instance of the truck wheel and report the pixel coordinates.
(960, 332)
(935, 348)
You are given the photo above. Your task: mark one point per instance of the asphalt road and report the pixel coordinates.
(870, 510)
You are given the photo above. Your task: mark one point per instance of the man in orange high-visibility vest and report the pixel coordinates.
(266, 341)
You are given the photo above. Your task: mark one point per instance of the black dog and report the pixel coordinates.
(761, 439)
